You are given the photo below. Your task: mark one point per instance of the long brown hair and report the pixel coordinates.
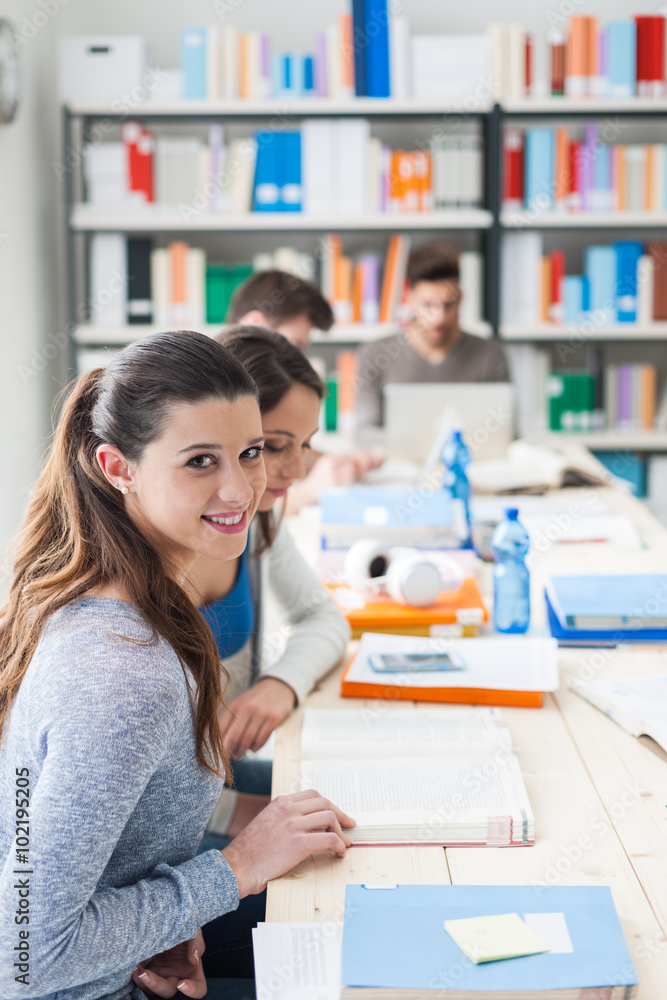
(77, 535)
(275, 365)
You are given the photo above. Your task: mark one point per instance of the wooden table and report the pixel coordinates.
(599, 796)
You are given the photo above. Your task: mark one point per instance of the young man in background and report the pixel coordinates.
(294, 307)
(433, 347)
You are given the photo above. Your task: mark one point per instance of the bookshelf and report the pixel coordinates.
(487, 224)
(82, 220)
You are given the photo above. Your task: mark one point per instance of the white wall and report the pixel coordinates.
(31, 241)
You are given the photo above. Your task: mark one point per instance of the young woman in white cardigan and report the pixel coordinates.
(265, 687)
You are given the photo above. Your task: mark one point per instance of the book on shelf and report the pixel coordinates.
(637, 704)
(396, 944)
(624, 282)
(363, 53)
(514, 671)
(327, 166)
(560, 169)
(392, 771)
(581, 60)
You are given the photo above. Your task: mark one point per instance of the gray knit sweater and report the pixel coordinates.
(102, 806)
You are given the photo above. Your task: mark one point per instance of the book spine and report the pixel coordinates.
(359, 47)
(347, 55)
(557, 42)
(556, 311)
(370, 306)
(321, 70)
(377, 50)
(139, 296)
(193, 63)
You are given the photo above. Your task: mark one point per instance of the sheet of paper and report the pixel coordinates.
(329, 734)
(489, 939)
(511, 664)
(426, 791)
(552, 928)
(298, 961)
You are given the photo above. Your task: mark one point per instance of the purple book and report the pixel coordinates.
(624, 384)
(321, 67)
(591, 143)
(370, 301)
(265, 65)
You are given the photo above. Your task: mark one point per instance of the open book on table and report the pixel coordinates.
(637, 704)
(441, 775)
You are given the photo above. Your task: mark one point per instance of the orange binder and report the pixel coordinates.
(466, 696)
(382, 614)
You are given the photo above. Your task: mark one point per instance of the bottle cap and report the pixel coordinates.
(512, 513)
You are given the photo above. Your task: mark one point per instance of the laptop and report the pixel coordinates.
(419, 417)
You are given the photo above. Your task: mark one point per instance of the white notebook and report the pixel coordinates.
(428, 776)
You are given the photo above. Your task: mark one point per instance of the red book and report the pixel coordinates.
(650, 55)
(513, 168)
(139, 147)
(557, 42)
(528, 65)
(557, 258)
(145, 147)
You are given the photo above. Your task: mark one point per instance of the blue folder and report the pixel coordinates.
(611, 637)
(395, 938)
(386, 507)
(376, 27)
(193, 62)
(266, 192)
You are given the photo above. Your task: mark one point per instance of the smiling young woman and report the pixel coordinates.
(266, 688)
(110, 685)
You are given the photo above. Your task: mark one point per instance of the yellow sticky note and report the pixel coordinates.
(488, 939)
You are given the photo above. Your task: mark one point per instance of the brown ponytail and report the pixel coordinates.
(76, 534)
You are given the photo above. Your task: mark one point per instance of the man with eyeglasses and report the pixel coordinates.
(432, 348)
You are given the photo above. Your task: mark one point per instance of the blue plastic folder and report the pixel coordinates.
(395, 938)
(598, 637)
(385, 507)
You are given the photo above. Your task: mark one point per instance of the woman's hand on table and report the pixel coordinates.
(177, 970)
(288, 831)
(251, 718)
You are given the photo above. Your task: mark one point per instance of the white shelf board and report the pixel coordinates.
(552, 331)
(561, 105)
(91, 218)
(300, 108)
(610, 440)
(582, 220)
(115, 336)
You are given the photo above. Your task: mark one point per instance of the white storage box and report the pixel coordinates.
(101, 68)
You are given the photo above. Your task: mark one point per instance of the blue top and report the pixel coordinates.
(232, 618)
(101, 745)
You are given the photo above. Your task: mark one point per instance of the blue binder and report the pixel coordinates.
(612, 637)
(628, 253)
(394, 938)
(359, 41)
(193, 62)
(539, 169)
(289, 171)
(622, 48)
(266, 192)
(376, 24)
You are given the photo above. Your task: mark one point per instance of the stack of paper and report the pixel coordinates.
(297, 961)
(638, 704)
(444, 776)
(507, 671)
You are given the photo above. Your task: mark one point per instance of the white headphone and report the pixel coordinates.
(409, 577)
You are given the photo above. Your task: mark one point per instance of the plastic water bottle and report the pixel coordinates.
(511, 579)
(456, 459)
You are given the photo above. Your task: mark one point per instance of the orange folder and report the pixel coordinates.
(462, 695)
(382, 614)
